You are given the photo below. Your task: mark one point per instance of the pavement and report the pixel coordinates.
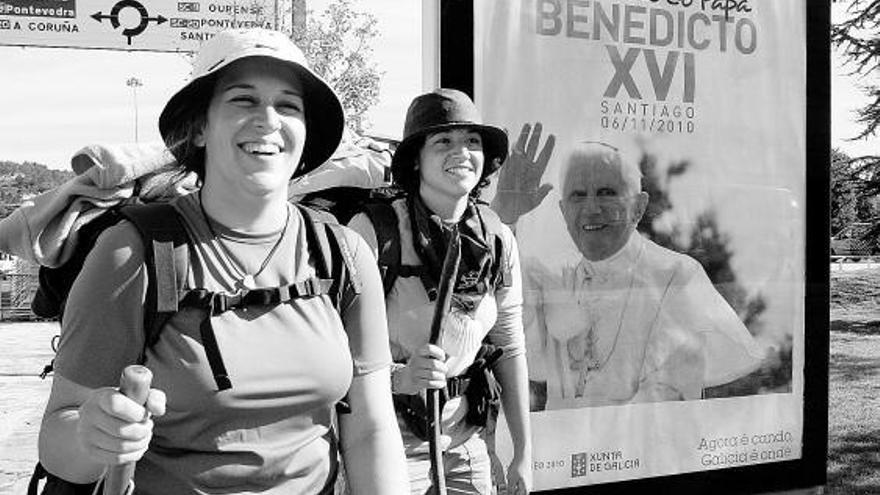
(25, 349)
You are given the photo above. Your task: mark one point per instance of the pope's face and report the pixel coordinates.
(600, 209)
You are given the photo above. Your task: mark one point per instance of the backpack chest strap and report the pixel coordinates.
(216, 303)
(221, 302)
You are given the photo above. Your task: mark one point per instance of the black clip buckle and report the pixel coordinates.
(224, 302)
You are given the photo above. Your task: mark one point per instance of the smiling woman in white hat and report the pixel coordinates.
(242, 400)
(446, 157)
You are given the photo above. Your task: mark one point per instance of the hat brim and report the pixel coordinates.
(495, 146)
(324, 115)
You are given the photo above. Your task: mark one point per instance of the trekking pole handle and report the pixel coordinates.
(134, 384)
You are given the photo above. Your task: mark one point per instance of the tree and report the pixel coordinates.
(337, 45)
(845, 191)
(859, 38)
(853, 193)
(19, 181)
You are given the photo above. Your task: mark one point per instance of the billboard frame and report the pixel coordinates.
(457, 71)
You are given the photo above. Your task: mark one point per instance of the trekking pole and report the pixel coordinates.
(134, 384)
(444, 298)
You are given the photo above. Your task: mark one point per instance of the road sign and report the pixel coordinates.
(138, 25)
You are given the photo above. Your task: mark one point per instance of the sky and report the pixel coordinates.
(55, 101)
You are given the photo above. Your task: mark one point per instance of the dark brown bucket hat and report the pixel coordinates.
(440, 110)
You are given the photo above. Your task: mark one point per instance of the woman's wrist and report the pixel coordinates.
(397, 378)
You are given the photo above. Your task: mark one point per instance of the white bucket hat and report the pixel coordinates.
(324, 116)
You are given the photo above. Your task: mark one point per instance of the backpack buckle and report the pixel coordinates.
(312, 287)
(223, 302)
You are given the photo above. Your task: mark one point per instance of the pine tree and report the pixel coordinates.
(858, 37)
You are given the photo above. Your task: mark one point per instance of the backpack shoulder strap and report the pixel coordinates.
(55, 282)
(332, 257)
(166, 254)
(495, 238)
(328, 246)
(384, 220)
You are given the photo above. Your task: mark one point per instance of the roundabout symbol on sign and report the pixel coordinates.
(129, 32)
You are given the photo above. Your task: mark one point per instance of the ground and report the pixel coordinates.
(854, 369)
(26, 350)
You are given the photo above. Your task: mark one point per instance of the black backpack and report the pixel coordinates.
(166, 256)
(343, 203)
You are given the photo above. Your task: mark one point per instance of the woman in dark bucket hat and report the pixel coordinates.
(243, 400)
(444, 109)
(446, 156)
